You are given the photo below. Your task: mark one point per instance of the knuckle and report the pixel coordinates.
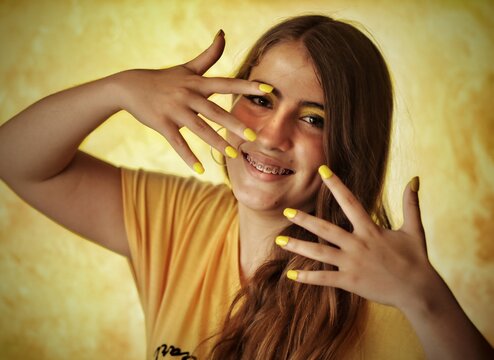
(162, 124)
(301, 216)
(246, 86)
(353, 278)
(200, 125)
(293, 246)
(351, 200)
(326, 226)
(372, 231)
(182, 92)
(327, 252)
(214, 110)
(177, 141)
(413, 200)
(358, 251)
(195, 82)
(327, 277)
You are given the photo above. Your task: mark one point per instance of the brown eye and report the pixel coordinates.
(315, 121)
(259, 101)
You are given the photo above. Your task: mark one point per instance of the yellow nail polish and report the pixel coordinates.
(292, 274)
(198, 168)
(265, 88)
(290, 213)
(231, 152)
(250, 134)
(325, 172)
(415, 184)
(281, 240)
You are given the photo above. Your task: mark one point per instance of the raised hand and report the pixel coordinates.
(390, 267)
(167, 100)
(387, 266)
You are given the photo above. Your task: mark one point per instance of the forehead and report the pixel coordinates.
(288, 67)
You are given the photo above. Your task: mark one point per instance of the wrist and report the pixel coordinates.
(442, 326)
(117, 89)
(429, 298)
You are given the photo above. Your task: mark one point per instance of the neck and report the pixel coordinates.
(258, 230)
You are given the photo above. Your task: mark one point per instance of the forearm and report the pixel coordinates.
(41, 141)
(443, 328)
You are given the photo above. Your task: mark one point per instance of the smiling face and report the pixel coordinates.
(279, 169)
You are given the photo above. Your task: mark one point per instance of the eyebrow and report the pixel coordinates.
(313, 104)
(303, 103)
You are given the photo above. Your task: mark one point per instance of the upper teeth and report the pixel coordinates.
(268, 169)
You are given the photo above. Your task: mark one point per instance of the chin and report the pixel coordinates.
(258, 200)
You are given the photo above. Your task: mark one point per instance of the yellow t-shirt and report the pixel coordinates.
(183, 237)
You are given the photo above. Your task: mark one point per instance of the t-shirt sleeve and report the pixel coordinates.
(389, 335)
(158, 209)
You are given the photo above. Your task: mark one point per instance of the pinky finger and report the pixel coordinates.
(178, 143)
(322, 278)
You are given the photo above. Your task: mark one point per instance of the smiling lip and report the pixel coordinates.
(263, 165)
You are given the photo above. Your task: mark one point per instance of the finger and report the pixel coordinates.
(199, 127)
(322, 278)
(322, 228)
(178, 143)
(411, 209)
(208, 57)
(350, 205)
(222, 85)
(220, 116)
(315, 251)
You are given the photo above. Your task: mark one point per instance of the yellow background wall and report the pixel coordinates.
(63, 297)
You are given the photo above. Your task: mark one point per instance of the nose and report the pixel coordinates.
(275, 131)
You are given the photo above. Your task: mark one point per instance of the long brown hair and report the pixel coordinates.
(273, 317)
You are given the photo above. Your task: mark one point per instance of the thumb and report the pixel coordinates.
(412, 223)
(208, 57)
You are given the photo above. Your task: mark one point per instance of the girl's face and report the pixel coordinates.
(279, 169)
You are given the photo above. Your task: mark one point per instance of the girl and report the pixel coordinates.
(299, 249)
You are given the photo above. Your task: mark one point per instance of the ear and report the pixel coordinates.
(208, 57)
(412, 223)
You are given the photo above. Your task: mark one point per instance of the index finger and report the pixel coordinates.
(350, 205)
(224, 85)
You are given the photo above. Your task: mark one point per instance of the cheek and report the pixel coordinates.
(313, 151)
(320, 153)
(245, 115)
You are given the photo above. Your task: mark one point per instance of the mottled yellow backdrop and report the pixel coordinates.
(62, 297)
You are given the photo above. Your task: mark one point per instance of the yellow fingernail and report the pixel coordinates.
(325, 172)
(219, 33)
(198, 168)
(231, 152)
(290, 213)
(415, 184)
(265, 88)
(250, 134)
(281, 240)
(292, 274)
